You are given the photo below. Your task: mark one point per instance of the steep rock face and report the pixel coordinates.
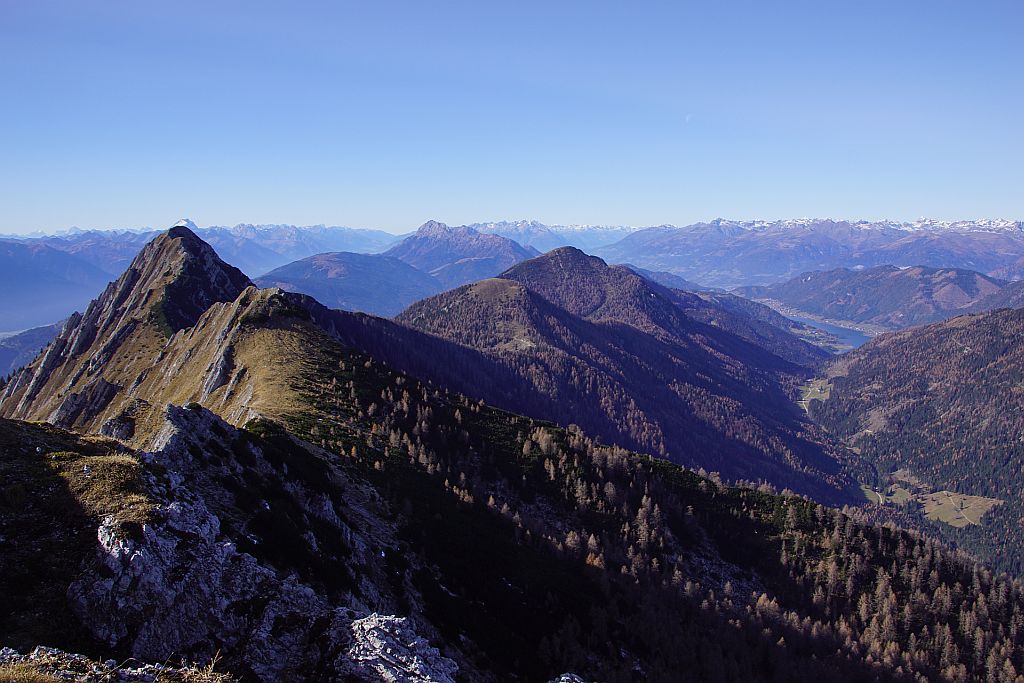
(198, 277)
(456, 256)
(239, 359)
(283, 572)
(384, 648)
(99, 355)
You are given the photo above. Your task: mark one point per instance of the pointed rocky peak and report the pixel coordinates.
(174, 280)
(434, 228)
(178, 276)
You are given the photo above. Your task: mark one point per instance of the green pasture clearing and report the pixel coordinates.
(815, 390)
(956, 509)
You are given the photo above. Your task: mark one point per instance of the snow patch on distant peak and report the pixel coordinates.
(186, 223)
(921, 224)
(531, 224)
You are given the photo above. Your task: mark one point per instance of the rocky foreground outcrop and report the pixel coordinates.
(256, 549)
(188, 585)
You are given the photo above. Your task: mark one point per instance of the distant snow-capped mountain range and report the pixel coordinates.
(978, 225)
(69, 268)
(532, 226)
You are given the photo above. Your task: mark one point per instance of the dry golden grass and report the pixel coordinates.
(25, 673)
(105, 484)
(39, 672)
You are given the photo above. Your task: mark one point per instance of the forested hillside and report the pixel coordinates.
(611, 565)
(833, 596)
(889, 297)
(568, 338)
(480, 544)
(944, 402)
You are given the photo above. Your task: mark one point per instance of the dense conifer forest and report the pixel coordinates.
(627, 565)
(943, 401)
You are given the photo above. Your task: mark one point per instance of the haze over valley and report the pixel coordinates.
(511, 342)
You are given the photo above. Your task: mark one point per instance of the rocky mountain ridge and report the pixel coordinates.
(254, 248)
(316, 480)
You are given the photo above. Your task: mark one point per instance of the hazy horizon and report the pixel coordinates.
(128, 114)
(413, 228)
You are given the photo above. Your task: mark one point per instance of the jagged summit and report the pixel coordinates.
(178, 276)
(432, 228)
(169, 285)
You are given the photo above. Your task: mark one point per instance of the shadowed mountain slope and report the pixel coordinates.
(604, 348)
(943, 402)
(586, 286)
(512, 549)
(371, 283)
(887, 296)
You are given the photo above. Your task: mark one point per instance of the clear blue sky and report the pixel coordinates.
(384, 114)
